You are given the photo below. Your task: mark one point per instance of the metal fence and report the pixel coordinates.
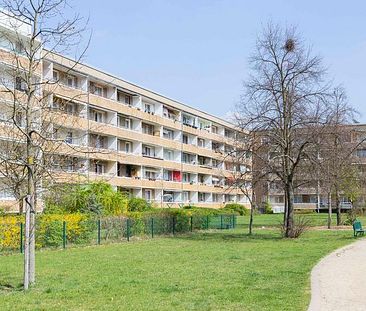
(63, 234)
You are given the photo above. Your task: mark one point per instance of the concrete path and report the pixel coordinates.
(338, 281)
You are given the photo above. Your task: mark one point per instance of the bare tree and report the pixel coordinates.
(284, 97)
(29, 144)
(245, 175)
(336, 150)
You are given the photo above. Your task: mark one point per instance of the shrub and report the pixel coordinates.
(79, 229)
(97, 198)
(238, 208)
(9, 232)
(268, 208)
(301, 224)
(138, 205)
(352, 215)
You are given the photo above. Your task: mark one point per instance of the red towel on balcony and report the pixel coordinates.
(177, 176)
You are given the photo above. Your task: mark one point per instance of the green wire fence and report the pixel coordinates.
(61, 234)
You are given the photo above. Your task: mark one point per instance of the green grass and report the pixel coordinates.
(275, 220)
(217, 270)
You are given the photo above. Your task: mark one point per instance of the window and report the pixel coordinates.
(147, 129)
(165, 112)
(128, 147)
(361, 153)
(150, 175)
(19, 47)
(56, 76)
(69, 108)
(214, 129)
(215, 197)
(68, 138)
(168, 134)
(148, 195)
(201, 142)
(20, 84)
(168, 175)
(204, 125)
(99, 168)
(6, 193)
(188, 158)
(168, 155)
(97, 116)
(124, 98)
(98, 141)
(201, 197)
(70, 164)
(186, 177)
(228, 133)
(124, 122)
(147, 151)
(188, 120)
(19, 118)
(185, 139)
(71, 81)
(149, 108)
(185, 196)
(97, 89)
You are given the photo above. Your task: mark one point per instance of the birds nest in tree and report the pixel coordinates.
(290, 45)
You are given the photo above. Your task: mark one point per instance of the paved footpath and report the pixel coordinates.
(338, 281)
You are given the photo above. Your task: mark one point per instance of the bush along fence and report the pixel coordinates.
(61, 231)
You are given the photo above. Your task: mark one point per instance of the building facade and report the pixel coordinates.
(142, 143)
(311, 192)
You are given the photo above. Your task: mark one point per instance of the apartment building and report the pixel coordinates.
(311, 194)
(142, 143)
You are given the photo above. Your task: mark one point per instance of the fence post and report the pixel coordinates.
(222, 222)
(64, 234)
(21, 238)
(191, 223)
(173, 225)
(128, 229)
(98, 236)
(152, 227)
(207, 220)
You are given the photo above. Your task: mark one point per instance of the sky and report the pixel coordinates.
(196, 51)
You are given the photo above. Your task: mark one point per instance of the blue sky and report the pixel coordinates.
(197, 51)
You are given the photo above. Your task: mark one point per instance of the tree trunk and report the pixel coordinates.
(29, 271)
(338, 204)
(26, 244)
(32, 245)
(290, 210)
(21, 206)
(285, 212)
(251, 218)
(329, 209)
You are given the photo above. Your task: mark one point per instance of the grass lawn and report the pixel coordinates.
(275, 220)
(216, 270)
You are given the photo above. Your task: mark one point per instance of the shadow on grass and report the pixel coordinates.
(230, 236)
(7, 287)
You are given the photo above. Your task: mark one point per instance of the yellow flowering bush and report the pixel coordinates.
(9, 232)
(79, 229)
(49, 230)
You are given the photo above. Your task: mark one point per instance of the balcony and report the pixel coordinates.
(170, 114)
(130, 171)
